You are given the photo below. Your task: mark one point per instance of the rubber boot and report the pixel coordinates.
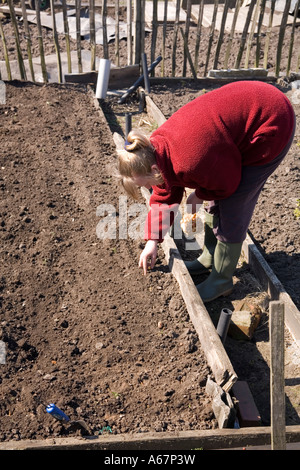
(220, 282)
(203, 264)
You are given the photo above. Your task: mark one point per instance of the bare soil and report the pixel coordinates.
(81, 325)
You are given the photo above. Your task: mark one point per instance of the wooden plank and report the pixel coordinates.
(209, 439)
(277, 376)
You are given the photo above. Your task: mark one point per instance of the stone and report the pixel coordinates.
(244, 323)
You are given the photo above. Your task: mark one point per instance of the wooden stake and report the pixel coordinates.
(17, 39)
(27, 32)
(104, 29)
(67, 36)
(164, 37)
(244, 35)
(211, 35)
(236, 12)
(56, 44)
(221, 34)
(292, 39)
(198, 36)
(176, 26)
(278, 439)
(268, 34)
(129, 32)
(281, 36)
(40, 38)
(117, 40)
(5, 52)
(78, 34)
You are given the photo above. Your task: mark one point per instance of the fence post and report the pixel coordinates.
(278, 441)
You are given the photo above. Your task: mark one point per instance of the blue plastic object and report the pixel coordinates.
(54, 411)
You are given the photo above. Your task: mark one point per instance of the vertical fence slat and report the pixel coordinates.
(117, 34)
(56, 44)
(154, 32)
(143, 12)
(186, 35)
(259, 25)
(211, 35)
(129, 32)
(281, 36)
(104, 29)
(198, 34)
(175, 35)
(78, 34)
(137, 31)
(221, 34)
(92, 33)
(17, 40)
(268, 34)
(28, 39)
(232, 30)
(244, 34)
(67, 36)
(188, 53)
(278, 439)
(288, 70)
(5, 51)
(41, 45)
(251, 34)
(165, 21)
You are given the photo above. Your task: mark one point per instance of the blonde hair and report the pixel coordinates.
(136, 158)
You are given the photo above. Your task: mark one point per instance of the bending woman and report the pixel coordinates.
(224, 145)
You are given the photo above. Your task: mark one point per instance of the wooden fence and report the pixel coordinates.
(241, 30)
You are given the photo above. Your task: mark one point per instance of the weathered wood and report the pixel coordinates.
(198, 34)
(17, 40)
(281, 36)
(244, 35)
(28, 39)
(268, 34)
(56, 44)
(211, 35)
(288, 69)
(5, 51)
(209, 439)
(67, 36)
(104, 29)
(251, 34)
(221, 34)
(129, 32)
(185, 36)
(175, 36)
(78, 35)
(117, 35)
(40, 39)
(278, 441)
(92, 34)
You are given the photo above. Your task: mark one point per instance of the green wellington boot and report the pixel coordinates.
(203, 264)
(220, 282)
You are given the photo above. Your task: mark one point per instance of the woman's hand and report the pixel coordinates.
(148, 256)
(194, 202)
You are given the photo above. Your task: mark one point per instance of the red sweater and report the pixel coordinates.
(204, 144)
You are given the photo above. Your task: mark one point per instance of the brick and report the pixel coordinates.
(247, 412)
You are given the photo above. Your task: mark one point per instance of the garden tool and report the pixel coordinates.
(219, 282)
(202, 264)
